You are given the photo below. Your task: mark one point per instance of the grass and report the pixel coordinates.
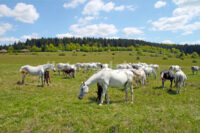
(56, 108)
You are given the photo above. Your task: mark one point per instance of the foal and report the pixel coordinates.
(99, 93)
(69, 71)
(47, 77)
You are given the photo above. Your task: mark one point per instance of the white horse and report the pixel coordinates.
(123, 66)
(110, 78)
(92, 66)
(154, 66)
(149, 71)
(142, 78)
(36, 70)
(175, 67)
(61, 66)
(179, 80)
(195, 69)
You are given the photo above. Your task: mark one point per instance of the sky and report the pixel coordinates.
(161, 21)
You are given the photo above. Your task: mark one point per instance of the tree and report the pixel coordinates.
(194, 55)
(10, 49)
(35, 49)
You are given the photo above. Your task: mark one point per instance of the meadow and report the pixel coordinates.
(56, 108)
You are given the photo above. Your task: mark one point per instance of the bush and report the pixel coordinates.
(165, 58)
(137, 58)
(194, 61)
(130, 54)
(61, 54)
(84, 54)
(34, 53)
(113, 53)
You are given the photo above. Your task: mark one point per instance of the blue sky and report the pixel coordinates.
(163, 21)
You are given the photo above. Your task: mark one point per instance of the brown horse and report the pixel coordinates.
(47, 77)
(69, 71)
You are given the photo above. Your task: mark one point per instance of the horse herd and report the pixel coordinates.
(123, 76)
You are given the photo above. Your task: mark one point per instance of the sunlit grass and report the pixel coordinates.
(56, 108)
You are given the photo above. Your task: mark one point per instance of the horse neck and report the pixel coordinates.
(93, 79)
(45, 67)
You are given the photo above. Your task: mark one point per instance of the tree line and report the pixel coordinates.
(98, 45)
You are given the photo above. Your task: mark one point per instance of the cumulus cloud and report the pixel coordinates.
(73, 3)
(64, 35)
(182, 18)
(93, 7)
(94, 30)
(22, 12)
(32, 36)
(132, 31)
(167, 42)
(4, 27)
(159, 4)
(6, 40)
(85, 20)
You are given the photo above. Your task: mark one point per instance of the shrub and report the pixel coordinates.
(194, 61)
(84, 54)
(61, 54)
(130, 54)
(165, 58)
(113, 53)
(137, 58)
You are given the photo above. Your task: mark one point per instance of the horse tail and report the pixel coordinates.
(154, 74)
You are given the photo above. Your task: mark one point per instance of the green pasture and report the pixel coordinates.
(56, 108)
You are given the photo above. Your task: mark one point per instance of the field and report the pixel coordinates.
(56, 108)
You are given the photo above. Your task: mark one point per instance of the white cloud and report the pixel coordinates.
(132, 31)
(192, 43)
(32, 36)
(73, 3)
(64, 35)
(93, 7)
(22, 12)
(167, 42)
(120, 8)
(4, 27)
(130, 7)
(159, 4)
(94, 30)
(7, 40)
(181, 19)
(85, 20)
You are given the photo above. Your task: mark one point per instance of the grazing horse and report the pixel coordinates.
(47, 77)
(174, 67)
(195, 69)
(166, 75)
(179, 80)
(149, 71)
(112, 78)
(61, 66)
(69, 71)
(36, 70)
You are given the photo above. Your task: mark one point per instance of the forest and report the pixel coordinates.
(99, 45)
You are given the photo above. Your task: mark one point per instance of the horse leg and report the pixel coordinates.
(103, 94)
(23, 78)
(126, 97)
(163, 83)
(39, 81)
(171, 83)
(107, 97)
(131, 94)
(42, 80)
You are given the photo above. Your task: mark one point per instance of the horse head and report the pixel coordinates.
(83, 90)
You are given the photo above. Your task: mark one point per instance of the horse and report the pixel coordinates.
(47, 77)
(36, 70)
(110, 78)
(174, 67)
(61, 66)
(167, 75)
(69, 71)
(179, 80)
(123, 66)
(149, 71)
(99, 93)
(154, 66)
(195, 69)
